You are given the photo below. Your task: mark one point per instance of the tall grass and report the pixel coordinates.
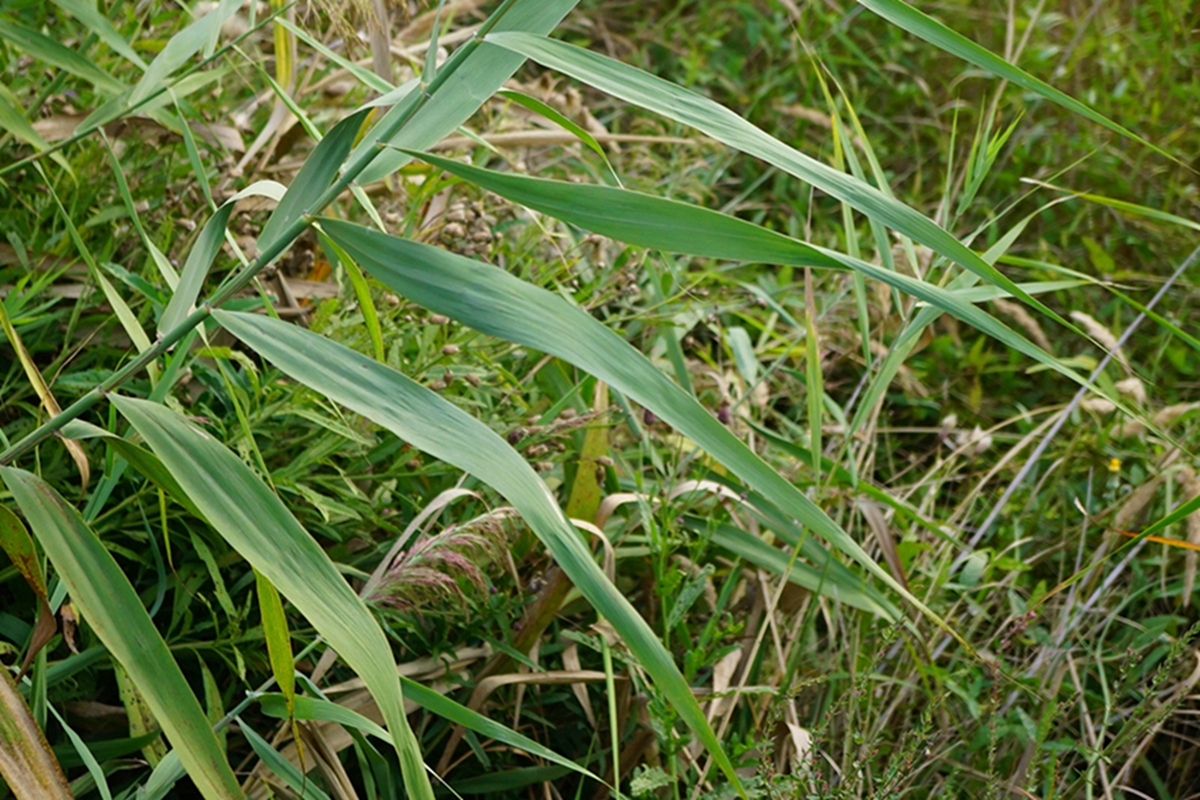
(180, 395)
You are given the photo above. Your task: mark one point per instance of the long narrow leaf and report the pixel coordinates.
(181, 47)
(494, 302)
(314, 177)
(670, 225)
(430, 423)
(113, 610)
(204, 251)
(275, 705)
(920, 24)
(471, 84)
(674, 102)
(256, 524)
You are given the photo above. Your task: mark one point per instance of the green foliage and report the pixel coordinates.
(779, 297)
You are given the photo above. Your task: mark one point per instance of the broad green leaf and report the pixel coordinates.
(204, 251)
(920, 24)
(27, 764)
(494, 302)
(85, 11)
(181, 47)
(430, 423)
(115, 613)
(319, 171)
(642, 219)
(468, 85)
(756, 551)
(674, 102)
(275, 705)
(252, 519)
(46, 49)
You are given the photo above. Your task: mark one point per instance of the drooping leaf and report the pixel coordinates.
(112, 608)
(674, 102)
(428, 422)
(18, 545)
(669, 225)
(255, 523)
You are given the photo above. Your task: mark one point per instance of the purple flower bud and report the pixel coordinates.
(723, 415)
(648, 416)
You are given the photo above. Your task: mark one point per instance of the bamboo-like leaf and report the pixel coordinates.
(279, 642)
(27, 763)
(313, 179)
(16, 542)
(920, 24)
(674, 102)
(205, 249)
(252, 519)
(643, 219)
(430, 423)
(275, 705)
(58, 55)
(142, 460)
(485, 70)
(113, 610)
(494, 302)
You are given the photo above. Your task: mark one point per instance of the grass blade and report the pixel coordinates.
(275, 705)
(180, 48)
(108, 602)
(27, 763)
(903, 15)
(642, 219)
(494, 302)
(86, 12)
(467, 87)
(252, 519)
(57, 55)
(423, 419)
(204, 251)
(674, 102)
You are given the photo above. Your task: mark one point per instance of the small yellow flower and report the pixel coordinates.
(1114, 465)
